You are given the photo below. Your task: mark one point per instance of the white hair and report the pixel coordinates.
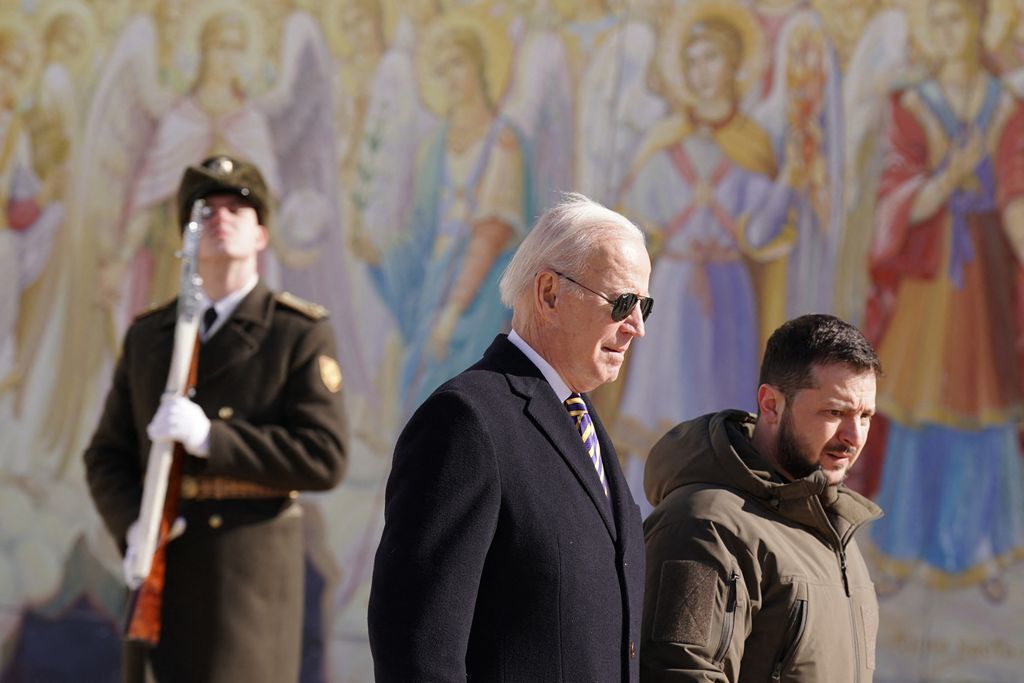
(562, 239)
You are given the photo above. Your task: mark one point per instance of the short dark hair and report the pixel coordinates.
(815, 339)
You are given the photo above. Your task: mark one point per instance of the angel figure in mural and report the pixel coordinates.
(616, 107)
(585, 23)
(381, 121)
(803, 114)
(707, 190)
(140, 133)
(53, 123)
(946, 313)
(30, 208)
(878, 64)
(471, 206)
(539, 98)
(607, 54)
(772, 16)
(384, 119)
(845, 21)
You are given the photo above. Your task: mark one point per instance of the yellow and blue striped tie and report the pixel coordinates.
(578, 410)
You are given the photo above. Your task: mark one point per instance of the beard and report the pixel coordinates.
(799, 461)
(792, 456)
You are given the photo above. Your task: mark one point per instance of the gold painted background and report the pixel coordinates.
(797, 126)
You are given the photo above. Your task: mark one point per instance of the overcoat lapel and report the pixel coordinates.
(158, 350)
(552, 419)
(240, 337)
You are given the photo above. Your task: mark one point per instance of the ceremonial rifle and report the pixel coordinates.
(161, 491)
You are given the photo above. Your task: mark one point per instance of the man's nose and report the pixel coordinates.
(635, 322)
(854, 431)
(217, 213)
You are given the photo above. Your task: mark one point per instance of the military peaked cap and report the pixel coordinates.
(219, 174)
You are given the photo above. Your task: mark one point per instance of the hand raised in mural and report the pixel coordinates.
(363, 247)
(965, 153)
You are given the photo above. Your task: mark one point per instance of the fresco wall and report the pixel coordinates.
(861, 157)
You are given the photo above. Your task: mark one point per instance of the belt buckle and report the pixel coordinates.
(189, 487)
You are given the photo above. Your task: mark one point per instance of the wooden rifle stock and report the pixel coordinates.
(145, 603)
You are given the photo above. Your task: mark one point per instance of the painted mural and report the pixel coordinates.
(860, 157)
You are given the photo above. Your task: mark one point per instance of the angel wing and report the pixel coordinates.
(539, 102)
(308, 238)
(120, 122)
(395, 123)
(878, 62)
(616, 110)
(55, 132)
(34, 253)
(803, 114)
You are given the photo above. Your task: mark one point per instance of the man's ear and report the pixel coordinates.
(770, 403)
(263, 239)
(545, 293)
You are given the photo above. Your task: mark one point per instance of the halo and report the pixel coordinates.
(198, 18)
(991, 34)
(82, 17)
(497, 56)
(683, 19)
(29, 41)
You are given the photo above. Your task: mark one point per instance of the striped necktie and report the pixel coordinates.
(578, 410)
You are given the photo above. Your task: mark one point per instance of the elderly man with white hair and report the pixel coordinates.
(512, 549)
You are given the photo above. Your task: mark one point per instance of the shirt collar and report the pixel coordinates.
(559, 386)
(227, 304)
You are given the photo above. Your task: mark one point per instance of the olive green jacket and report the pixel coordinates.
(749, 577)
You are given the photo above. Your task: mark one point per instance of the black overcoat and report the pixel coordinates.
(501, 557)
(234, 591)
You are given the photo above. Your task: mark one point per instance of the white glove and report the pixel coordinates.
(132, 541)
(179, 419)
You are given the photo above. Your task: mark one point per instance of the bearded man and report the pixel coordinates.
(753, 573)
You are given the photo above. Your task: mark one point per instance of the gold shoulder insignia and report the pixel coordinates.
(307, 308)
(330, 374)
(155, 308)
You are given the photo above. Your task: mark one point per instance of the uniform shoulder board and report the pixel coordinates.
(155, 308)
(307, 308)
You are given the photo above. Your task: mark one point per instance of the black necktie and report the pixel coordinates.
(209, 318)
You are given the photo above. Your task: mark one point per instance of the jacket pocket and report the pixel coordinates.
(794, 631)
(729, 621)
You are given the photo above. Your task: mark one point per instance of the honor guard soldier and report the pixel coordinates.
(264, 421)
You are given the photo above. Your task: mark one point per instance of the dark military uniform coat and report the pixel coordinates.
(269, 384)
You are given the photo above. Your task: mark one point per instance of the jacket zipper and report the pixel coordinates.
(794, 631)
(854, 631)
(842, 569)
(730, 619)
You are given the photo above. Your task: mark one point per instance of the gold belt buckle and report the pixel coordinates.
(189, 487)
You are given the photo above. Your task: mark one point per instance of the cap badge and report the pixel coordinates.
(222, 166)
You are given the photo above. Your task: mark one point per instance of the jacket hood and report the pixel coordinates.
(716, 449)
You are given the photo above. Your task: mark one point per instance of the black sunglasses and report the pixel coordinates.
(623, 304)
